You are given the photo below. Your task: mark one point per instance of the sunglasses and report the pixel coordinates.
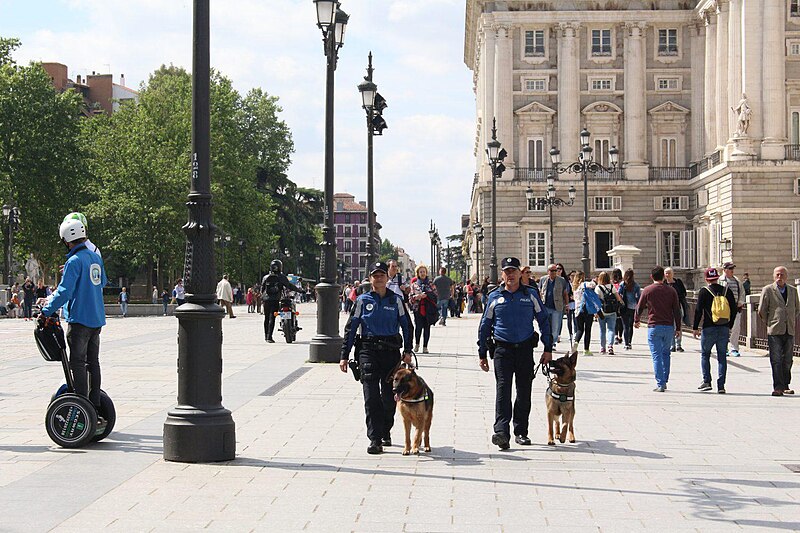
(553, 270)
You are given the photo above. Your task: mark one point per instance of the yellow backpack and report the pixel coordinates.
(720, 308)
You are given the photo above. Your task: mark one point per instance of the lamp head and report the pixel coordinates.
(6, 210)
(551, 181)
(585, 137)
(529, 193)
(326, 13)
(571, 192)
(551, 192)
(368, 91)
(613, 155)
(493, 150)
(341, 26)
(555, 156)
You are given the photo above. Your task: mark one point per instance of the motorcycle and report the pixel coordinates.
(288, 315)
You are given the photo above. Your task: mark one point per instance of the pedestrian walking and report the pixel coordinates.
(154, 295)
(612, 302)
(423, 304)
(484, 292)
(554, 292)
(165, 300)
(570, 311)
(680, 288)
(444, 293)
(663, 322)
(179, 292)
(616, 281)
(587, 305)
(779, 308)
(257, 298)
(123, 302)
(729, 280)
(459, 297)
(29, 296)
(716, 308)
(527, 279)
(395, 283)
(746, 284)
(251, 303)
(374, 329)
(470, 294)
(507, 335)
(630, 292)
(225, 295)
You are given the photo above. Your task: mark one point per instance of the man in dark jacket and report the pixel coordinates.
(271, 291)
(715, 332)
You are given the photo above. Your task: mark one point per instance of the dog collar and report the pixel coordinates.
(422, 398)
(561, 397)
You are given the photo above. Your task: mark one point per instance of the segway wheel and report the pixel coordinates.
(108, 412)
(71, 421)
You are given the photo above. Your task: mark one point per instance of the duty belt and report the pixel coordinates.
(380, 343)
(505, 344)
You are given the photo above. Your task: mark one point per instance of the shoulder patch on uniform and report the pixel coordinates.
(370, 307)
(501, 299)
(96, 274)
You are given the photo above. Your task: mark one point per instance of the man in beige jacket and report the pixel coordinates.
(779, 308)
(225, 295)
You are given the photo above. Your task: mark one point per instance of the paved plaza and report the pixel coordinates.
(677, 461)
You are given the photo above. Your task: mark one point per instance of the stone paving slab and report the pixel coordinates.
(677, 461)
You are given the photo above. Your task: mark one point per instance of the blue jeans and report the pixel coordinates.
(607, 323)
(444, 306)
(123, 306)
(710, 337)
(660, 340)
(556, 318)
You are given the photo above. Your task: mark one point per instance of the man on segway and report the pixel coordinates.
(80, 293)
(271, 289)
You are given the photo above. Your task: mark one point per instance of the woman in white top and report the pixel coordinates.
(583, 319)
(611, 300)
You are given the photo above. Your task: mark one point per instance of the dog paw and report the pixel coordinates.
(562, 439)
(406, 452)
(415, 451)
(551, 443)
(427, 449)
(572, 441)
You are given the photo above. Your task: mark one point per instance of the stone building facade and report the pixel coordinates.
(702, 99)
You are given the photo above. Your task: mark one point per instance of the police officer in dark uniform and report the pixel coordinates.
(271, 289)
(380, 315)
(507, 323)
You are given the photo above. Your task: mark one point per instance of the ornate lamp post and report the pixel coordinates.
(432, 236)
(478, 227)
(260, 272)
(583, 166)
(374, 104)
(551, 201)
(11, 216)
(496, 155)
(241, 261)
(199, 429)
(327, 343)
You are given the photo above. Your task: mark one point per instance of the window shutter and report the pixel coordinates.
(658, 203)
(795, 240)
(592, 205)
(702, 198)
(701, 238)
(684, 203)
(659, 251)
(687, 249)
(797, 185)
(617, 203)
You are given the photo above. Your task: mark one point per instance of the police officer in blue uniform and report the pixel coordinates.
(507, 323)
(379, 315)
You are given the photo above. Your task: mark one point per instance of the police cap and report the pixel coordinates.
(379, 266)
(510, 262)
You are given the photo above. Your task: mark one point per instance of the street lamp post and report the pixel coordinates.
(478, 227)
(374, 104)
(260, 272)
(496, 155)
(551, 201)
(583, 166)
(327, 343)
(11, 215)
(241, 262)
(199, 429)
(432, 236)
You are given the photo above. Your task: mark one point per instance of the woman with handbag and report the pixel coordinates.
(423, 303)
(585, 311)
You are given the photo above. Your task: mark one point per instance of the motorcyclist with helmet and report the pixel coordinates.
(80, 293)
(271, 290)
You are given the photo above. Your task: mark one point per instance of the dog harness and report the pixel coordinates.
(563, 398)
(422, 398)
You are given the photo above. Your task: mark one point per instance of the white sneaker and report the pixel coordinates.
(425, 349)
(574, 347)
(416, 347)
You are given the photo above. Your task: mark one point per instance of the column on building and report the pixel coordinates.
(710, 83)
(569, 112)
(774, 79)
(697, 51)
(477, 87)
(504, 94)
(752, 45)
(635, 99)
(721, 93)
(734, 62)
(487, 80)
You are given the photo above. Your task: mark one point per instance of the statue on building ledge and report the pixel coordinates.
(743, 112)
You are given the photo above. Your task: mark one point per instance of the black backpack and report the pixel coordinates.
(610, 302)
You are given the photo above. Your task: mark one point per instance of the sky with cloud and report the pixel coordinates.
(423, 163)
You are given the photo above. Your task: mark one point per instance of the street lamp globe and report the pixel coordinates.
(368, 91)
(493, 150)
(551, 181)
(555, 156)
(326, 13)
(551, 192)
(6, 210)
(571, 193)
(341, 25)
(613, 155)
(585, 137)
(529, 193)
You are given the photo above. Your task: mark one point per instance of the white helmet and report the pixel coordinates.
(72, 229)
(77, 215)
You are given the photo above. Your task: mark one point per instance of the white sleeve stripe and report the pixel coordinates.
(490, 309)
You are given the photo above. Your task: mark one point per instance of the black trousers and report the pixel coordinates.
(627, 325)
(583, 329)
(513, 364)
(421, 328)
(379, 404)
(270, 307)
(780, 358)
(84, 355)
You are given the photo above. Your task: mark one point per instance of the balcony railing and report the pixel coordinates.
(672, 173)
(534, 174)
(793, 152)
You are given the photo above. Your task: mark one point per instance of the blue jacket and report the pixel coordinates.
(631, 298)
(81, 289)
(377, 317)
(509, 317)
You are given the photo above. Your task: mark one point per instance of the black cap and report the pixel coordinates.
(510, 262)
(728, 265)
(379, 266)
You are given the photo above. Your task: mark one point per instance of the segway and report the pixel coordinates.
(71, 420)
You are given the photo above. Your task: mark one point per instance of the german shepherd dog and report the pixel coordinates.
(560, 398)
(415, 400)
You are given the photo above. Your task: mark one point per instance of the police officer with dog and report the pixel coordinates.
(271, 290)
(506, 333)
(374, 329)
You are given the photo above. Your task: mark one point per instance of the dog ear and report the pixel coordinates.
(394, 371)
(573, 359)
